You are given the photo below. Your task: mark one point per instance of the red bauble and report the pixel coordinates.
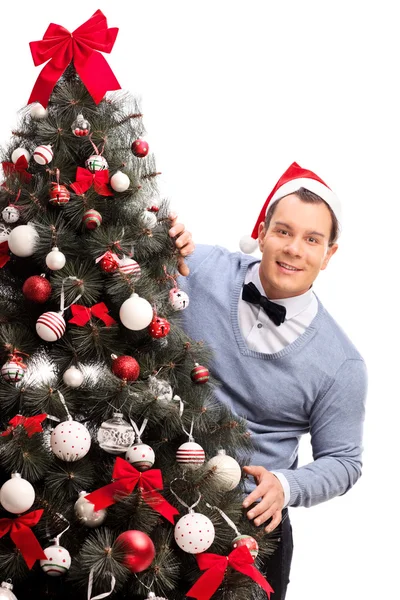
(138, 549)
(140, 148)
(126, 367)
(109, 262)
(246, 540)
(159, 327)
(37, 289)
(59, 194)
(199, 374)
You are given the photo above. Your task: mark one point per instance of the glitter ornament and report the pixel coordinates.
(17, 494)
(13, 370)
(86, 514)
(178, 299)
(38, 112)
(160, 389)
(199, 374)
(125, 367)
(57, 561)
(191, 455)
(140, 148)
(70, 441)
(120, 182)
(149, 219)
(109, 262)
(43, 155)
(138, 550)
(55, 260)
(141, 456)
(246, 540)
(80, 127)
(92, 219)
(50, 326)
(227, 470)
(194, 533)
(159, 327)
(22, 240)
(37, 289)
(136, 313)
(6, 591)
(59, 194)
(73, 377)
(96, 162)
(115, 435)
(18, 152)
(10, 214)
(128, 266)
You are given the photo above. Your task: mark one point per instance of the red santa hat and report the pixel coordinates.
(293, 179)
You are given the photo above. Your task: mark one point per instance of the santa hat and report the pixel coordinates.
(293, 179)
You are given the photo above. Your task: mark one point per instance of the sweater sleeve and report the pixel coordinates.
(336, 427)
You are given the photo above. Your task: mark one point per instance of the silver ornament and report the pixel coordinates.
(160, 389)
(115, 435)
(6, 591)
(86, 514)
(11, 214)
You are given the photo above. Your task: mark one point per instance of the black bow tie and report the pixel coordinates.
(276, 312)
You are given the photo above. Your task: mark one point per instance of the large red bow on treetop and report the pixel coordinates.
(82, 314)
(85, 179)
(19, 168)
(4, 254)
(216, 565)
(31, 424)
(126, 478)
(23, 537)
(81, 46)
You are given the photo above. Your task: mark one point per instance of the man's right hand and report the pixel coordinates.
(183, 241)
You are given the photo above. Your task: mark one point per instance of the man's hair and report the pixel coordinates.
(307, 196)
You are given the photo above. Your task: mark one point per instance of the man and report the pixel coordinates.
(283, 362)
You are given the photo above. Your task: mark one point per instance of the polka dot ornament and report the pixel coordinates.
(194, 533)
(70, 441)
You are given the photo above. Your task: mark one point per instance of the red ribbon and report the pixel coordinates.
(31, 424)
(18, 168)
(215, 566)
(4, 254)
(82, 314)
(85, 179)
(23, 537)
(126, 478)
(81, 46)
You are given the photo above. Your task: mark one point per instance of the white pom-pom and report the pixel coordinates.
(247, 244)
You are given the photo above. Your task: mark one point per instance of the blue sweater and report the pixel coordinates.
(316, 385)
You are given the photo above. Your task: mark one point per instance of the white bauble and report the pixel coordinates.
(6, 591)
(161, 389)
(141, 456)
(13, 371)
(86, 514)
(178, 299)
(194, 533)
(96, 162)
(57, 561)
(128, 266)
(11, 214)
(227, 470)
(55, 259)
(136, 313)
(149, 219)
(50, 326)
(115, 435)
(17, 494)
(43, 155)
(22, 240)
(120, 182)
(70, 441)
(73, 377)
(190, 455)
(38, 111)
(18, 152)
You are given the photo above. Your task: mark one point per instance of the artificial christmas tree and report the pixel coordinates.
(99, 383)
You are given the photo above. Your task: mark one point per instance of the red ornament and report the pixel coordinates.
(109, 263)
(199, 374)
(92, 219)
(126, 367)
(138, 549)
(246, 540)
(140, 148)
(37, 289)
(59, 194)
(159, 327)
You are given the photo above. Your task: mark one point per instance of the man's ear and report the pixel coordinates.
(331, 251)
(261, 235)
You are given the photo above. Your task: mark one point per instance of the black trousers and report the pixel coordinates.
(278, 565)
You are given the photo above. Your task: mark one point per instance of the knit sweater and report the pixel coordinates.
(317, 384)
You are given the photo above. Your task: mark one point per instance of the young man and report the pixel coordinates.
(283, 362)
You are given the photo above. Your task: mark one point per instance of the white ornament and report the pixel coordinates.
(161, 389)
(73, 377)
(136, 313)
(149, 219)
(22, 240)
(70, 441)
(178, 299)
(120, 182)
(141, 456)
(38, 111)
(11, 214)
(227, 470)
(50, 326)
(115, 435)
(55, 259)
(191, 455)
(6, 591)
(96, 163)
(128, 266)
(86, 514)
(57, 561)
(18, 152)
(17, 494)
(43, 155)
(194, 533)
(13, 371)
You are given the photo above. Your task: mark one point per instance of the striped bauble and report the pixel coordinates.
(190, 455)
(13, 371)
(92, 219)
(128, 266)
(43, 155)
(199, 374)
(50, 326)
(59, 194)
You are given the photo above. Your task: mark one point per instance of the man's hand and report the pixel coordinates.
(183, 241)
(270, 490)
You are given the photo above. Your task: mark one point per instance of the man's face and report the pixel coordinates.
(295, 247)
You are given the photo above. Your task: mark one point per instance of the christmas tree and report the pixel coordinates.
(118, 466)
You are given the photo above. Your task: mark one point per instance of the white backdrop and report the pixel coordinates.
(232, 93)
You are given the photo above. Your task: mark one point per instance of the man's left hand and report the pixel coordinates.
(270, 490)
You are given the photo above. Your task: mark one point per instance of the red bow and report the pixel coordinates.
(19, 168)
(31, 424)
(82, 314)
(215, 566)
(126, 478)
(4, 254)
(23, 537)
(85, 179)
(81, 46)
